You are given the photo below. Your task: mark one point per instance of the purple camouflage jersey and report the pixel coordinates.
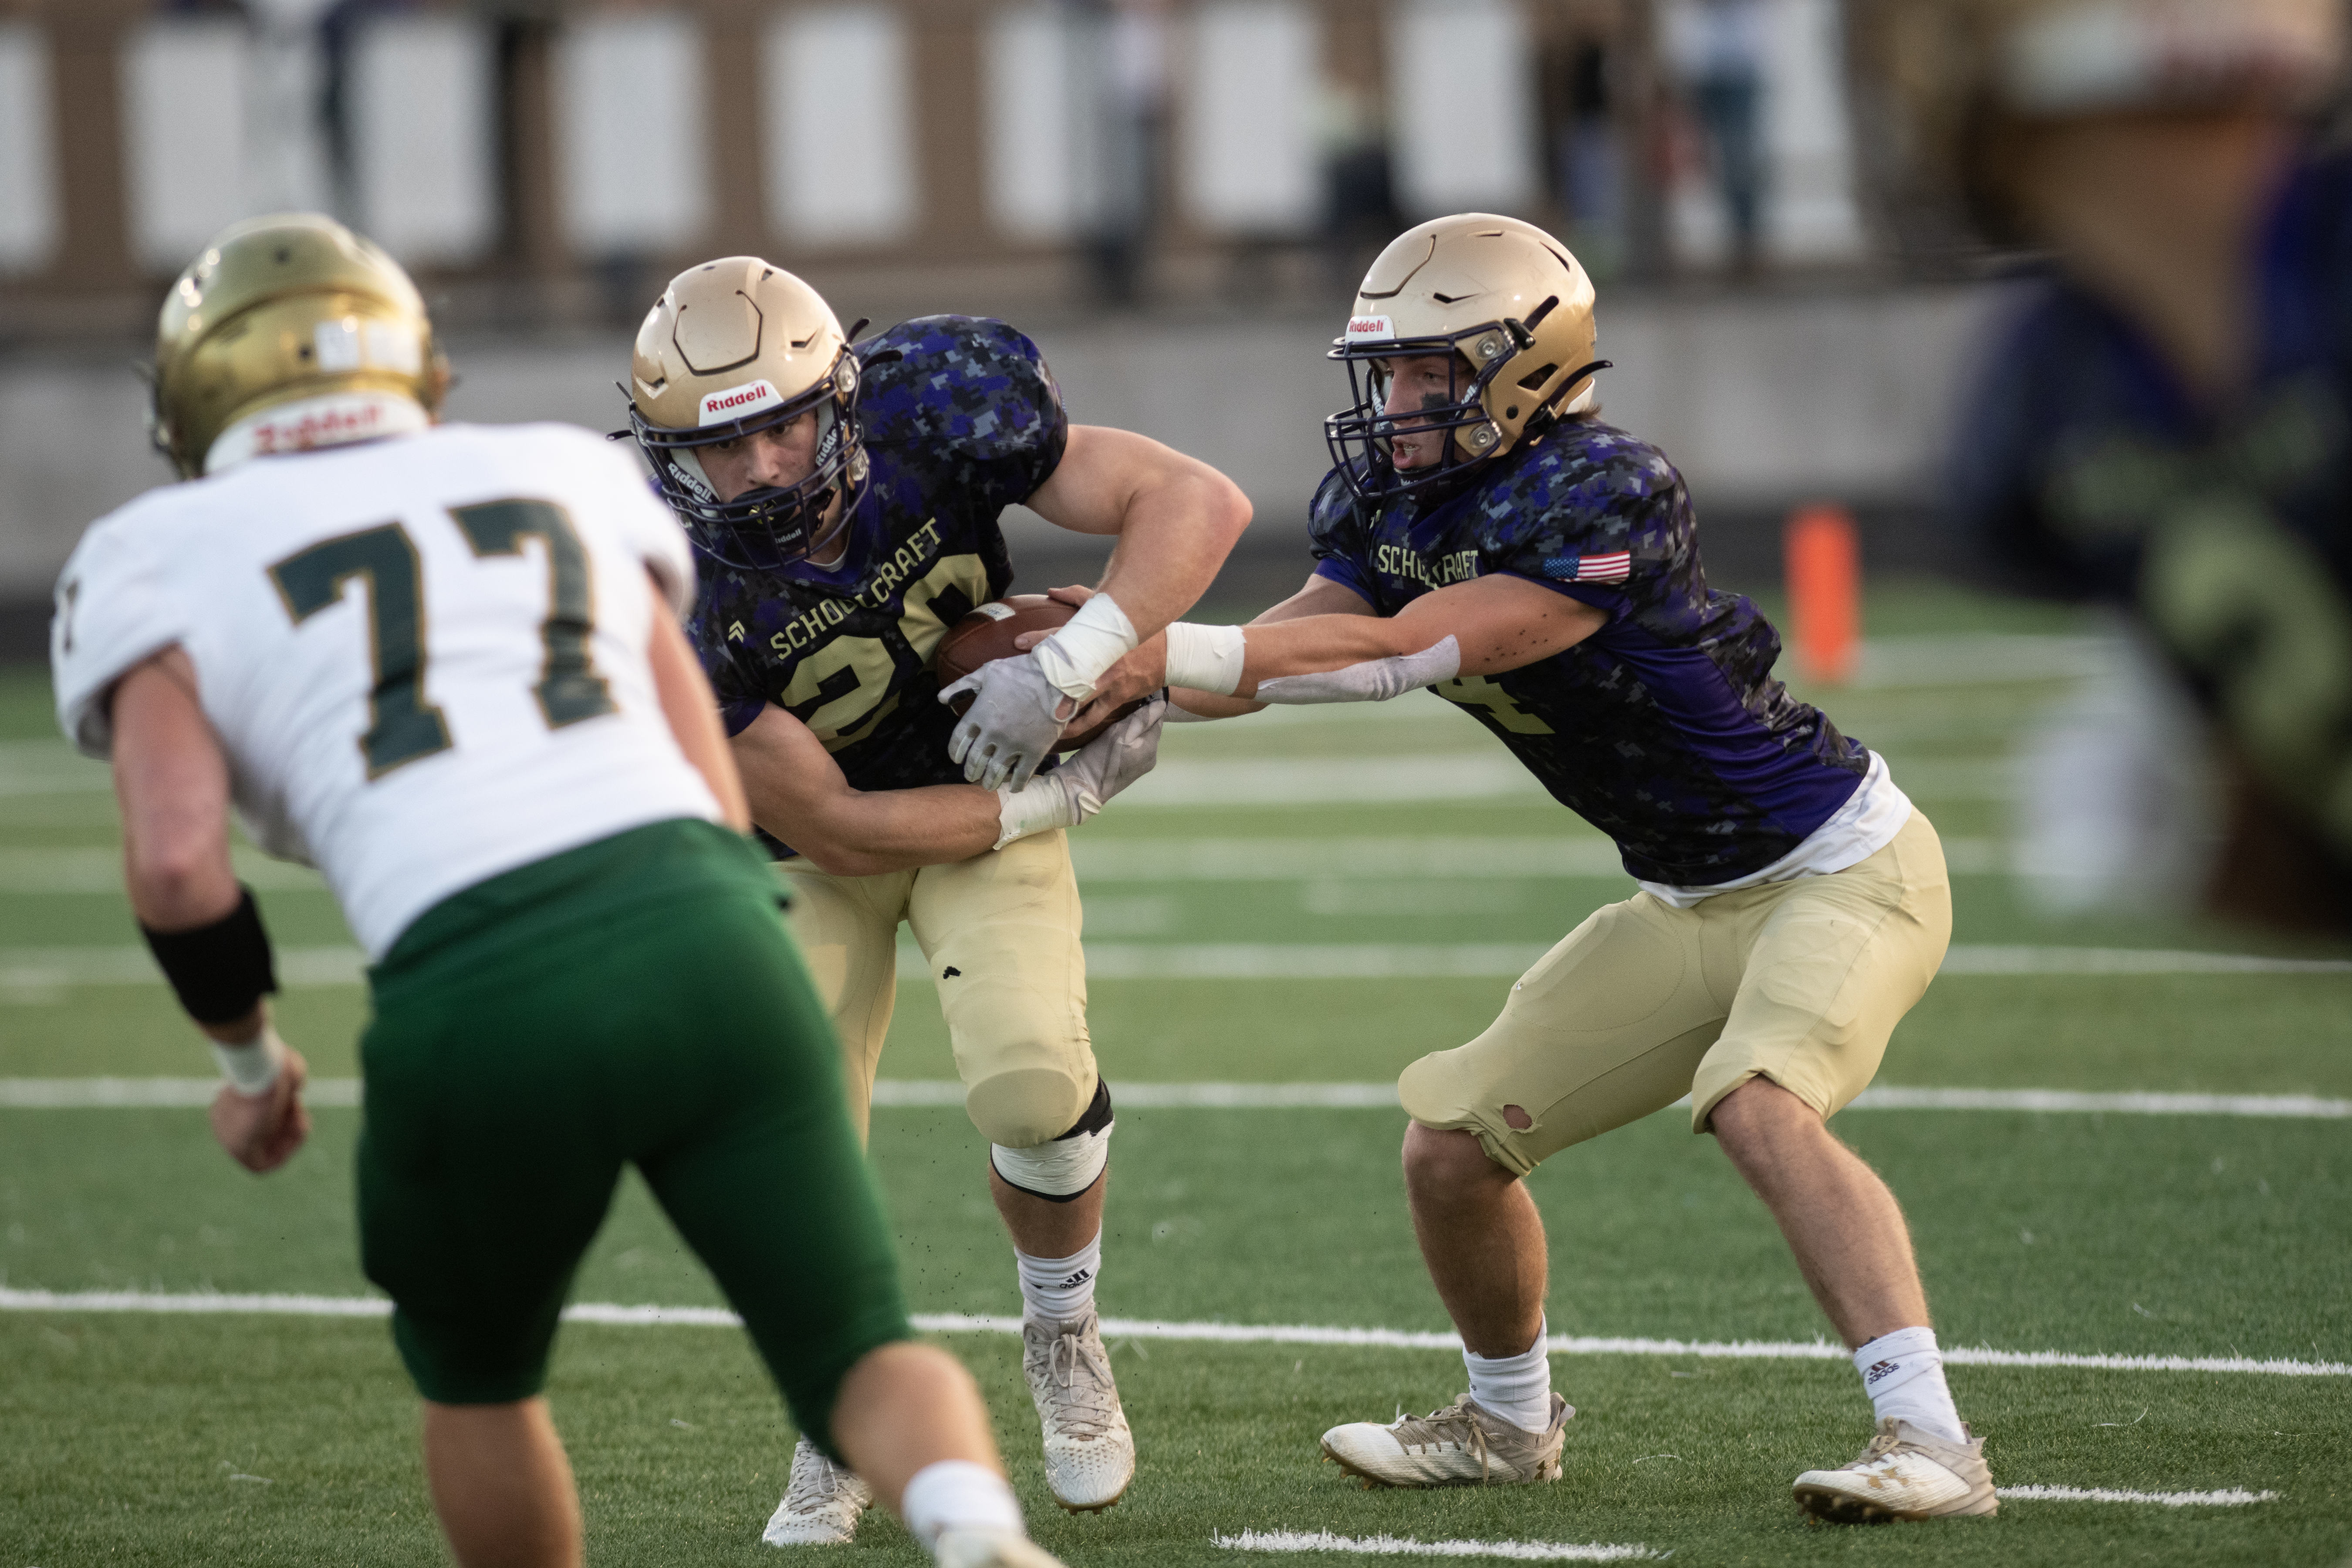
(960, 419)
(1665, 728)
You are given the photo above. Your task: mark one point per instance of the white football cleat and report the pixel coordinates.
(822, 1502)
(990, 1549)
(1463, 1445)
(1906, 1473)
(1089, 1450)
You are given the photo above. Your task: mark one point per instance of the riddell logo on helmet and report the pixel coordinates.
(1370, 327)
(734, 402)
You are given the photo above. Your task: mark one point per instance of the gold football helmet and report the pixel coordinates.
(289, 309)
(1511, 305)
(1942, 85)
(734, 346)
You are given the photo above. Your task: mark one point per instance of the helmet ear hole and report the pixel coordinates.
(1534, 380)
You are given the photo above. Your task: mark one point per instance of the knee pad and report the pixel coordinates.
(1061, 1170)
(1021, 1107)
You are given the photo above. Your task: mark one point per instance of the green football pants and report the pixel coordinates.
(632, 1001)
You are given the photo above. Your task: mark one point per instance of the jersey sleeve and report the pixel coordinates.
(115, 608)
(1597, 528)
(969, 398)
(1335, 535)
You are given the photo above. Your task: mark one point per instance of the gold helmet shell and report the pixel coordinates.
(733, 347)
(281, 310)
(1510, 300)
(1942, 85)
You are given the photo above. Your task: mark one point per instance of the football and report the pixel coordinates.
(987, 634)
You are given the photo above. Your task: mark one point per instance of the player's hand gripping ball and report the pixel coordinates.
(989, 633)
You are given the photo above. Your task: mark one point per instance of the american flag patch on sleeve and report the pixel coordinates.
(1613, 567)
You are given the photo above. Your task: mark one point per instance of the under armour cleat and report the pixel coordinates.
(1089, 1451)
(822, 1502)
(1463, 1445)
(990, 1549)
(1906, 1473)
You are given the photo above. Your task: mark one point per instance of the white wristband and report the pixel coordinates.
(1086, 644)
(252, 1068)
(1205, 658)
(1037, 806)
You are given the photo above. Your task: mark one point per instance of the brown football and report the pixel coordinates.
(986, 634)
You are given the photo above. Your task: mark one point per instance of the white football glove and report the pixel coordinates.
(1374, 680)
(1011, 724)
(1091, 775)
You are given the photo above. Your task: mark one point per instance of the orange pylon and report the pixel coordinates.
(1822, 559)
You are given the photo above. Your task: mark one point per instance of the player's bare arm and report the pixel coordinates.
(693, 714)
(799, 794)
(1176, 518)
(1493, 624)
(1499, 623)
(172, 785)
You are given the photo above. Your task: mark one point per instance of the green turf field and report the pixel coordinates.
(238, 1438)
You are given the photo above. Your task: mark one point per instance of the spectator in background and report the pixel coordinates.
(1716, 47)
(2165, 427)
(1360, 204)
(1587, 165)
(1130, 60)
(340, 26)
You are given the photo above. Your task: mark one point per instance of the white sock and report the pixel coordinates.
(1516, 1387)
(1903, 1372)
(1060, 1289)
(956, 1494)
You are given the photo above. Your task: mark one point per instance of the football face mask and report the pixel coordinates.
(1363, 437)
(768, 527)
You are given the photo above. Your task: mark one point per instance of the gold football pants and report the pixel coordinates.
(1799, 981)
(1000, 932)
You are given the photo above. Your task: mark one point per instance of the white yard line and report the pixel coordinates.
(2233, 1497)
(1105, 859)
(41, 974)
(616, 1315)
(136, 1093)
(1399, 1546)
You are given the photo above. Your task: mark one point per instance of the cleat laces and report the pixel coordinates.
(1441, 1430)
(813, 1487)
(1085, 1406)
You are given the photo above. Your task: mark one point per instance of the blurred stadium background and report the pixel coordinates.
(1175, 198)
(2123, 1134)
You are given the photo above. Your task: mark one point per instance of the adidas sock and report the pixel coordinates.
(1516, 1387)
(956, 1494)
(1060, 1289)
(1903, 1372)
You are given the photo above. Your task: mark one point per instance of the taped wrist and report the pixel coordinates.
(1065, 1168)
(1045, 803)
(218, 971)
(1086, 644)
(252, 1067)
(1206, 658)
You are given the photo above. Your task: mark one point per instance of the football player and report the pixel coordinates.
(846, 498)
(443, 666)
(1484, 534)
(2165, 424)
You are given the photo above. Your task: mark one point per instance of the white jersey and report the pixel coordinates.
(426, 657)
